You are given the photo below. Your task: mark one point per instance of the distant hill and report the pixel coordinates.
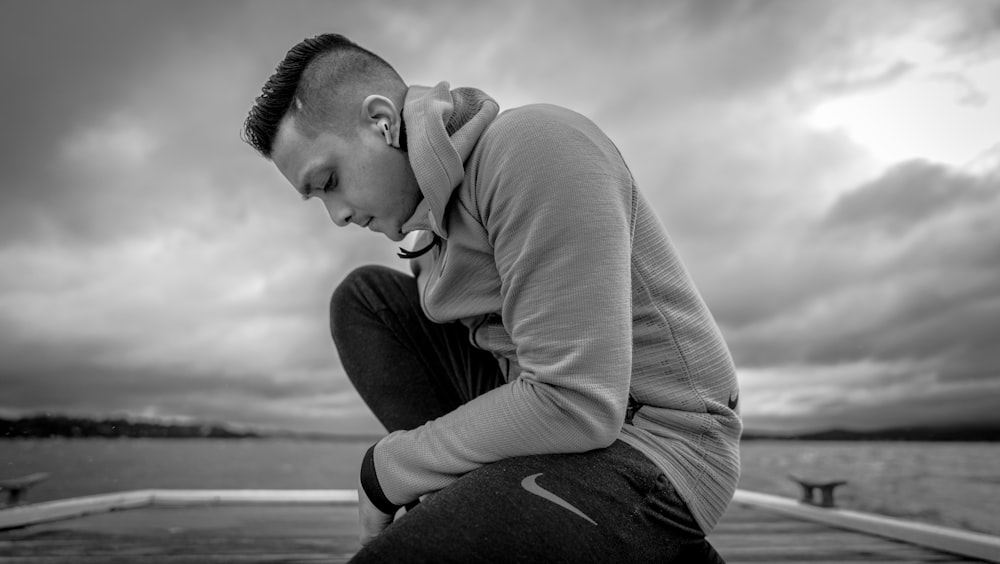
(52, 425)
(48, 426)
(949, 434)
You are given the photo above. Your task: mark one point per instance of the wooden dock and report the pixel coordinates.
(297, 526)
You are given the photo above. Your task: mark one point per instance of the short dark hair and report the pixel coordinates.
(308, 73)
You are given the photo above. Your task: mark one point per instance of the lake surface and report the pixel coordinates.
(951, 484)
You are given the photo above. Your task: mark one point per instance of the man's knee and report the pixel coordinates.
(353, 287)
(353, 291)
(364, 290)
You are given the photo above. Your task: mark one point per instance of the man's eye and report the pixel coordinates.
(326, 188)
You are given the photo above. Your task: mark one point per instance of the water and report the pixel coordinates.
(91, 466)
(950, 484)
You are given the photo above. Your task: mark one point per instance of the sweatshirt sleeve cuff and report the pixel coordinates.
(369, 482)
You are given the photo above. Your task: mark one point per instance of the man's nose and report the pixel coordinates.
(339, 213)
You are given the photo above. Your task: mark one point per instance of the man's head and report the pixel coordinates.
(330, 119)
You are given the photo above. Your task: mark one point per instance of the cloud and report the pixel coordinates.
(908, 223)
(862, 396)
(910, 194)
(117, 143)
(320, 401)
(974, 32)
(61, 72)
(893, 290)
(150, 262)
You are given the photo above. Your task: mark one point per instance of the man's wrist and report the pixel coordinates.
(370, 483)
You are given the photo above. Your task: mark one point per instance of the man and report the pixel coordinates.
(554, 387)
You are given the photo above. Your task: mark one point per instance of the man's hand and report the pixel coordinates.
(372, 520)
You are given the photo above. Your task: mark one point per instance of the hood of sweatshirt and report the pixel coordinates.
(442, 128)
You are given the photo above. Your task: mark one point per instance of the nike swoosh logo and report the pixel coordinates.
(532, 487)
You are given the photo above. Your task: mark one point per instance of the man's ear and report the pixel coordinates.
(380, 114)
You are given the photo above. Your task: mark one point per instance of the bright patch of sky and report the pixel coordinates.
(941, 110)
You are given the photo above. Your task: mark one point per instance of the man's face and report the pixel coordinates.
(358, 177)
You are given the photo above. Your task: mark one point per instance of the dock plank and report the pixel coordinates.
(749, 534)
(316, 533)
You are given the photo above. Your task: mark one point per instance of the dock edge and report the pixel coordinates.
(965, 543)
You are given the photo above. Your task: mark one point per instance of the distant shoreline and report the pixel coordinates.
(260, 438)
(47, 426)
(67, 427)
(950, 435)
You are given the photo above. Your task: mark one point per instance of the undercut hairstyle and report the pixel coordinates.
(306, 82)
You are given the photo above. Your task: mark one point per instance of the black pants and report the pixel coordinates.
(606, 505)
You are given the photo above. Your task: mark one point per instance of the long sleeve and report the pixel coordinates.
(556, 202)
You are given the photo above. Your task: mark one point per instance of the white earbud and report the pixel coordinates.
(383, 124)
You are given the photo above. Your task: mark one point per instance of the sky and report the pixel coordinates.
(829, 171)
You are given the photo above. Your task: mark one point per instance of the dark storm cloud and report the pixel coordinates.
(893, 289)
(907, 195)
(917, 244)
(65, 63)
(88, 385)
(970, 406)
